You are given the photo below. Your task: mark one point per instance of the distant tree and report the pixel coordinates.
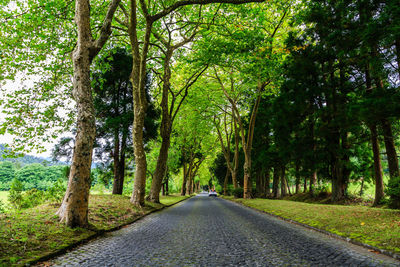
(7, 174)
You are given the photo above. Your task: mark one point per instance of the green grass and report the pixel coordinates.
(374, 226)
(4, 196)
(369, 188)
(32, 233)
(171, 199)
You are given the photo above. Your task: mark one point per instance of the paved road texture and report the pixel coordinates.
(208, 231)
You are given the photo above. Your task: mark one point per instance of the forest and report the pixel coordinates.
(147, 103)
(257, 99)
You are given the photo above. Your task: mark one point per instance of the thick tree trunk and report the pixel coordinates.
(377, 165)
(267, 183)
(138, 79)
(275, 182)
(305, 185)
(165, 132)
(390, 148)
(313, 179)
(139, 186)
(247, 179)
(188, 184)
(74, 208)
(283, 182)
(160, 170)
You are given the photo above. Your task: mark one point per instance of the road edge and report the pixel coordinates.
(347, 239)
(96, 235)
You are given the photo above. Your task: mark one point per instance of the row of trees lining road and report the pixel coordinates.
(301, 88)
(136, 20)
(334, 119)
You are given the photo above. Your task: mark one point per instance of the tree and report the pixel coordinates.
(113, 103)
(74, 208)
(140, 48)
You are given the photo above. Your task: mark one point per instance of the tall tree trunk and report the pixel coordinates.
(160, 170)
(116, 182)
(247, 178)
(313, 179)
(305, 185)
(74, 208)
(390, 149)
(138, 79)
(267, 182)
(236, 154)
(377, 165)
(165, 132)
(275, 182)
(283, 182)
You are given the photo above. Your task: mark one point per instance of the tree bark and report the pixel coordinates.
(390, 148)
(138, 79)
(74, 208)
(313, 179)
(275, 182)
(165, 132)
(377, 165)
(267, 183)
(283, 182)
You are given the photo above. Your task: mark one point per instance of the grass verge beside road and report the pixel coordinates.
(33, 233)
(373, 226)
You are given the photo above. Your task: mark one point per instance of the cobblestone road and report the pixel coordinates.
(205, 231)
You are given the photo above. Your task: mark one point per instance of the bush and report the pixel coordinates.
(32, 198)
(238, 192)
(15, 194)
(393, 191)
(55, 192)
(322, 191)
(2, 207)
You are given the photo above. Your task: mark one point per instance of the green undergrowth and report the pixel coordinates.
(29, 234)
(377, 227)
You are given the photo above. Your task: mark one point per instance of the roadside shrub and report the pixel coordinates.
(322, 191)
(393, 191)
(15, 194)
(56, 191)
(238, 192)
(99, 189)
(32, 198)
(2, 207)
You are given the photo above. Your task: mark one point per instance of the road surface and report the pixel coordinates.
(208, 231)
